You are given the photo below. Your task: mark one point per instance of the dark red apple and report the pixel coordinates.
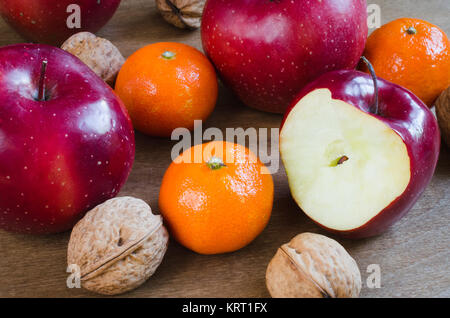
(353, 167)
(266, 51)
(45, 21)
(64, 154)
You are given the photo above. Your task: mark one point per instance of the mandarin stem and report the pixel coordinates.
(215, 163)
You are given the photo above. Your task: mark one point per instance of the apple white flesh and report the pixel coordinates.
(358, 150)
(344, 165)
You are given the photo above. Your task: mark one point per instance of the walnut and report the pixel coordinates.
(97, 53)
(443, 115)
(118, 245)
(313, 266)
(184, 14)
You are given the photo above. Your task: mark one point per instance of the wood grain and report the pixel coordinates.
(413, 255)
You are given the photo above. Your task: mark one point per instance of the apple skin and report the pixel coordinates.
(408, 116)
(266, 51)
(60, 157)
(45, 21)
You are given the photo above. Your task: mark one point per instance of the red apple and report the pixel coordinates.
(353, 167)
(45, 21)
(266, 51)
(64, 153)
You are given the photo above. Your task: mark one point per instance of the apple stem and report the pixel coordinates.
(374, 108)
(41, 93)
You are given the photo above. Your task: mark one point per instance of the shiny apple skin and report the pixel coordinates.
(266, 51)
(63, 156)
(45, 21)
(408, 116)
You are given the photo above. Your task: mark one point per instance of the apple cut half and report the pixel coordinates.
(344, 165)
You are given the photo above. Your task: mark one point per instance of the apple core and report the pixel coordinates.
(343, 165)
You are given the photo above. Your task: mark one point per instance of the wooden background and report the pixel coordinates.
(414, 254)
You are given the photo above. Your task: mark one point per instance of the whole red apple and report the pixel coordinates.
(45, 21)
(357, 165)
(266, 51)
(63, 152)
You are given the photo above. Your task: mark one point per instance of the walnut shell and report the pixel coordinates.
(97, 53)
(184, 14)
(118, 245)
(313, 266)
(443, 115)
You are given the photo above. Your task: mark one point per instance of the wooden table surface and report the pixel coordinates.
(413, 255)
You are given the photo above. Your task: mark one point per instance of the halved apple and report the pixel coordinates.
(350, 170)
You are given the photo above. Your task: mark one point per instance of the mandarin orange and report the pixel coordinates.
(165, 86)
(412, 53)
(218, 203)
